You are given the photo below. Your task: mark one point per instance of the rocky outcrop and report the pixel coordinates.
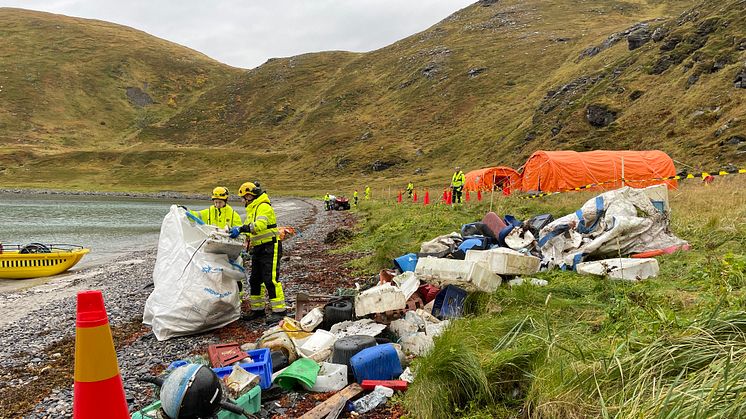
(638, 37)
(640, 34)
(138, 97)
(740, 80)
(600, 115)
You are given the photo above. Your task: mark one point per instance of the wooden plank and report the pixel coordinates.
(320, 411)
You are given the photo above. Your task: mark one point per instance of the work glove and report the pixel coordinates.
(235, 231)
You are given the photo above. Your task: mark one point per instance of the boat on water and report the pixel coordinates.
(35, 260)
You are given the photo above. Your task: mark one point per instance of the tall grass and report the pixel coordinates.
(671, 346)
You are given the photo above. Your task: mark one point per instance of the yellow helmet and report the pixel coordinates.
(250, 188)
(220, 192)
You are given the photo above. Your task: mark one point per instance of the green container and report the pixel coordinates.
(250, 402)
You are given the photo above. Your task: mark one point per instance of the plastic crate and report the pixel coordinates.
(262, 366)
(449, 302)
(250, 402)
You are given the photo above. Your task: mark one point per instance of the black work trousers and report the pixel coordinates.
(457, 194)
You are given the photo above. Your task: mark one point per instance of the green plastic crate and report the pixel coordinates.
(250, 402)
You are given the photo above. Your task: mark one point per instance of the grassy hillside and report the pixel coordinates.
(488, 85)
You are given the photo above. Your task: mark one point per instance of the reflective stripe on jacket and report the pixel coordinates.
(261, 217)
(219, 217)
(457, 180)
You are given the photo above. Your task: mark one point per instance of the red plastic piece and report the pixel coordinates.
(225, 354)
(399, 385)
(428, 292)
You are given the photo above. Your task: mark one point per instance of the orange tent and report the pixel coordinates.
(552, 171)
(485, 179)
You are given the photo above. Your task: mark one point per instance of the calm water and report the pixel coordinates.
(109, 226)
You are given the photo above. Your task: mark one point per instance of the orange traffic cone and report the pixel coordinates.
(98, 390)
(467, 196)
(426, 200)
(414, 199)
(479, 195)
(449, 198)
(398, 198)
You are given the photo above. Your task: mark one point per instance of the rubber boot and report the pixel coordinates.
(253, 315)
(275, 317)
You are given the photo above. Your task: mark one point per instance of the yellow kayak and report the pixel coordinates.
(36, 260)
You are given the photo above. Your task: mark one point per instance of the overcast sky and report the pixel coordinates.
(246, 33)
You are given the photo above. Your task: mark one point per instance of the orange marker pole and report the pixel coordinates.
(98, 390)
(426, 200)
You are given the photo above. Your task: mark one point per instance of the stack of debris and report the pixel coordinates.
(363, 339)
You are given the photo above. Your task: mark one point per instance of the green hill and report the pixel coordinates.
(488, 85)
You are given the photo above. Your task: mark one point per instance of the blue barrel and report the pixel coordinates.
(379, 362)
(406, 262)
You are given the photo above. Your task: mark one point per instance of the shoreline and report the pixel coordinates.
(151, 195)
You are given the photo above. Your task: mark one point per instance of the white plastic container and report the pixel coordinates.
(312, 319)
(318, 346)
(629, 269)
(467, 274)
(332, 377)
(379, 299)
(408, 283)
(219, 242)
(504, 261)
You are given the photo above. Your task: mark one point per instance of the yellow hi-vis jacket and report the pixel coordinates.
(219, 217)
(410, 186)
(260, 222)
(457, 180)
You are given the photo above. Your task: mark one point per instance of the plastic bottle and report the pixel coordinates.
(370, 401)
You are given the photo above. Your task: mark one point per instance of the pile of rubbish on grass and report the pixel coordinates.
(364, 339)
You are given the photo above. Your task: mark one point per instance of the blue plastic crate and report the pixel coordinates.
(449, 302)
(379, 362)
(262, 366)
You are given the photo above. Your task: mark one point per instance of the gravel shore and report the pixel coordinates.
(38, 324)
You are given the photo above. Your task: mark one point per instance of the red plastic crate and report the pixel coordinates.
(225, 354)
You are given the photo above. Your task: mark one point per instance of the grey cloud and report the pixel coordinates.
(247, 33)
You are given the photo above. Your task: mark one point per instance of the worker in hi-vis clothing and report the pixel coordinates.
(410, 189)
(354, 197)
(367, 192)
(457, 185)
(265, 250)
(327, 202)
(220, 214)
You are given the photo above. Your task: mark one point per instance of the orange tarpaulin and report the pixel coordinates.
(485, 179)
(552, 171)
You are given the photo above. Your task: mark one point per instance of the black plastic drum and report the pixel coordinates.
(348, 346)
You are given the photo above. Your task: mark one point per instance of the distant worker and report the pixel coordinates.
(265, 250)
(327, 202)
(410, 189)
(367, 192)
(457, 185)
(354, 197)
(220, 214)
